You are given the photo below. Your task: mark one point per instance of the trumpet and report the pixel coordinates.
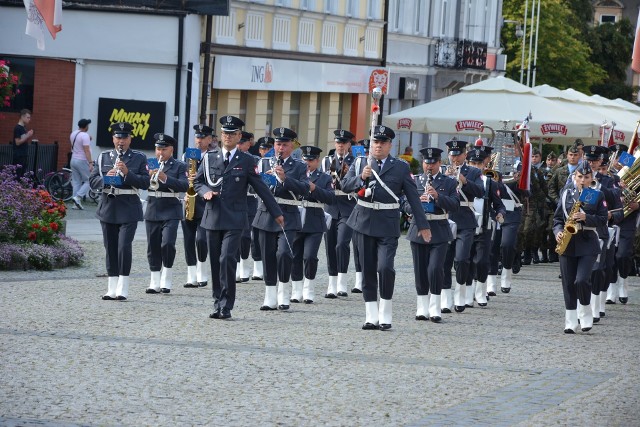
(154, 183)
(490, 170)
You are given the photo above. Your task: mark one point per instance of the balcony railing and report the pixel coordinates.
(460, 53)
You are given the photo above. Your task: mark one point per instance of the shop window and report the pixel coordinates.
(26, 68)
(242, 114)
(271, 96)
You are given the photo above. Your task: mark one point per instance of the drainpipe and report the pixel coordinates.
(204, 97)
(176, 103)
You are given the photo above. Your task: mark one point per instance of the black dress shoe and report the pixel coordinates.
(342, 294)
(356, 291)
(294, 300)
(623, 300)
(121, 298)
(308, 301)
(602, 314)
(435, 319)
(469, 305)
(569, 331)
(369, 326)
(243, 279)
(283, 307)
(225, 314)
(215, 315)
(505, 290)
(385, 326)
(107, 298)
(190, 285)
(165, 290)
(202, 284)
(609, 302)
(482, 304)
(596, 319)
(491, 294)
(445, 310)
(151, 291)
(268, 308)
(330, 296)
(534, 257)
(459, 308)
(256, 278)
(586, 329)
(422, 317)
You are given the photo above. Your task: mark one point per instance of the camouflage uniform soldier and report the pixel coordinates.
(548, 244)
(532, 226)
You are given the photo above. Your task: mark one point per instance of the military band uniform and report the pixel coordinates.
(195, 243)
(577, 261)
(163, 214)
(428, 258)
(225, 214)
(375, 221)
(492, 209)
(119, 210)
(246, 247)
(275, 242)
(506, 236)
(195, 237)
(307, 241)
(459, 251)
(338, 237)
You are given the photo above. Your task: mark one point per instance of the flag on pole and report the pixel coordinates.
(34, 23)
(51, 12)
(635, 57)
(41, 14)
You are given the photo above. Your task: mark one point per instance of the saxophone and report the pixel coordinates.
(570, 228)
(190, 202)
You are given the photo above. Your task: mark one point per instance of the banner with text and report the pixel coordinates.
(147, 118)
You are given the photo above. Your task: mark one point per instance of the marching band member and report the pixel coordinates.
(243, 272)
(195, 237)
(459, 251)
(439, 197)
(507, 235)
(119, 209)
(276, 237)
(222, 181)
(481, 247)
(579, 214)
(375, 222)
(265, 144)
(625, 251)
(339, 235)
(314, 224)
(163, 214)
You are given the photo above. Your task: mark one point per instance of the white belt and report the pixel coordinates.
(121, 192)
(282, 201)
(160, 194)
(255, 196)
(378, 206)
(433, 217)
(308, 204)
(583, 228)
(341, 193)
(466, 204)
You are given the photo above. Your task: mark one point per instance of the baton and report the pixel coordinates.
(286, 239)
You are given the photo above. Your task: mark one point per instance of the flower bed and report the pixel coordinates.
(30, 229)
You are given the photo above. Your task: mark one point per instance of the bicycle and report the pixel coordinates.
(59, 185)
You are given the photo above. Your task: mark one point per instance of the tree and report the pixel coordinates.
(564, 58)
(611, 49)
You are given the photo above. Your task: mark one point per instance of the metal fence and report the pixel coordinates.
(42, 160)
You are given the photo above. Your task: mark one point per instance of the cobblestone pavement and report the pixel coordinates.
(69, 358)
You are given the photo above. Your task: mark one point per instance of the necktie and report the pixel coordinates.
(339, 160)
(226, 159)
(379, 165)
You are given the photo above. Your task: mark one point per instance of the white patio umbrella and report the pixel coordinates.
(597, 109)
(491, 103)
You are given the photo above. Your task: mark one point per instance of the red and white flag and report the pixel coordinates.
(635, 57)
(41, 14)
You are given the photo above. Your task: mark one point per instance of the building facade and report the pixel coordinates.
(302, 64)
(435, 47)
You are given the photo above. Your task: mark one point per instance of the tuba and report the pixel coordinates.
(190, 202)
(630, 183)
